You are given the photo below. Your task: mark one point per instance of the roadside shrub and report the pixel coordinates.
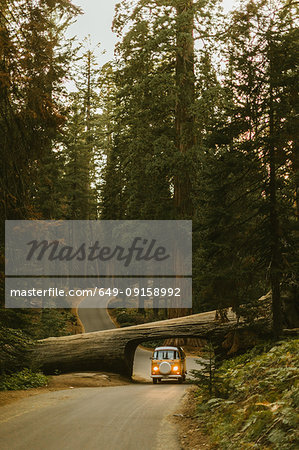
(262, 392)
(38, 324)
(209, 376)
(125, 318)
(25, 379)
(14, 350)
(130, 316)
(53, 323)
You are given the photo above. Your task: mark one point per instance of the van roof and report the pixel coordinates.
(166, 348)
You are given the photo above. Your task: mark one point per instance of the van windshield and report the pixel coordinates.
(166, 354)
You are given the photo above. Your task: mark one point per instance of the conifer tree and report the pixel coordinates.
(82, 141)
(260, 82)
(34, 60)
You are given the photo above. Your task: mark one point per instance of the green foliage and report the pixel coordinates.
(201, 136)
(152, 344)
(25, 379)
(128, 317)
(260, 405)
(16, 365)
(35, 58)
(262, 114)
(208, 377)
(226, 229)
(244, 190)
(14, 350)
(53, 323)
(153, 109)
(82, 141)
(38, 324)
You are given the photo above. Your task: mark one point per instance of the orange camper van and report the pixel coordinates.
(168, 363)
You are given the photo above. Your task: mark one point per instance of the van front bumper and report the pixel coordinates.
(165, 377)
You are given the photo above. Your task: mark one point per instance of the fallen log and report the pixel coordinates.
(113, 350)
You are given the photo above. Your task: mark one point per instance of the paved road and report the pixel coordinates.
(117, 418)
(93, 318)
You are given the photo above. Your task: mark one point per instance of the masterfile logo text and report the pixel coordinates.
(98, 248)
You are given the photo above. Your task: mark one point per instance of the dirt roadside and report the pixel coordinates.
(191, 435)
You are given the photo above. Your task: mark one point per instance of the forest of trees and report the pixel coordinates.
(194, 118)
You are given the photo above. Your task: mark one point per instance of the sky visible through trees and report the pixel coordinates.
(97, 20)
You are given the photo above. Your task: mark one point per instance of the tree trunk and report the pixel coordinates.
(184, 116)
(184, 122)
(141, 296)
(275, 267)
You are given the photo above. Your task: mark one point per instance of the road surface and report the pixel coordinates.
(114, 418)
(93, 318)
